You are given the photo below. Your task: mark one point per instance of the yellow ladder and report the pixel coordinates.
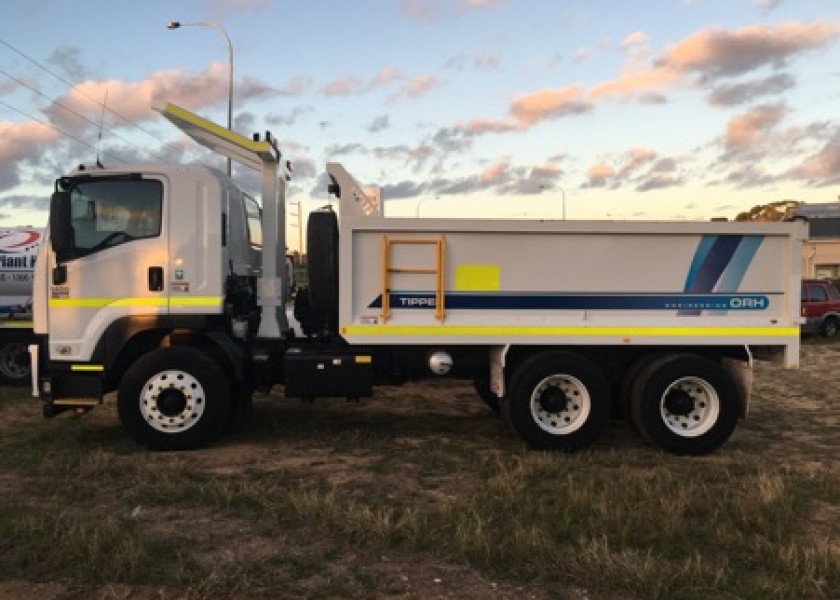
(388, 270)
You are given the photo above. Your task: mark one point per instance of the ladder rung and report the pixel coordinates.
(416, 271)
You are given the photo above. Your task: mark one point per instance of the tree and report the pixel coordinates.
(773, 211)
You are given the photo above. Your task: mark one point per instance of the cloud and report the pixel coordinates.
(548, 103)
(345, 86)
(19, 143)
(68, 60)
(715, 52)
(767, 6)
(295, 86)
(598, 175)
(288, 119)
(477, 60)
(417, 87)
(430, 11)
(732, 94)
(822, 168)
(747, 128)
(385, 76)
(380, 123)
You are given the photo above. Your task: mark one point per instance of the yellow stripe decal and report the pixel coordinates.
(237, 139)
(16, 325)
(87, 368)
(628, 332)
(136, 302)
(195, 301)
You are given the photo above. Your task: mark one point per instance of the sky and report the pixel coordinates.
(604, 109)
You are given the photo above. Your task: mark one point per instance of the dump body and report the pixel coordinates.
(413, 281)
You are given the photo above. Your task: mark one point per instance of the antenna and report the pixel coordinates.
(99, 138)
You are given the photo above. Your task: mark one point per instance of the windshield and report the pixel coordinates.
(109, 212)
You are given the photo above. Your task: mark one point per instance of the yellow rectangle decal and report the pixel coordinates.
(477, 278)
(364, 360)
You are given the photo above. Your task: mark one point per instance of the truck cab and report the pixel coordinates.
(138, 256)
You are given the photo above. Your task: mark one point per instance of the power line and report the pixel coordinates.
(78, 114)
(75, 87)
(64, 133)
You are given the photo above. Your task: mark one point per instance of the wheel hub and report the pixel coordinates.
(553, 400)
(679, 402)
(171, 402)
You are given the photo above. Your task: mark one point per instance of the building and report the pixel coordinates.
(821, 252)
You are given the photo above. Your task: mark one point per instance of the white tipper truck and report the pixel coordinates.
(18, 251)
(165, 284)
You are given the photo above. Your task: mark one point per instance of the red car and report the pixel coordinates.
(820, 307)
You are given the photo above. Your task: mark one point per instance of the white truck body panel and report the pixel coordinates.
(18, 251)
(573, 283)
(106, 286)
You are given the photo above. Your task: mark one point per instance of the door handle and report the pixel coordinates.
(155, 279)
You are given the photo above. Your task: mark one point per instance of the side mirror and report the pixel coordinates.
(61, 229)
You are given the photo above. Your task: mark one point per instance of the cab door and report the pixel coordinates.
(114, 270)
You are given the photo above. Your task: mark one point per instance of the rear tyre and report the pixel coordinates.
(830, 328)
(15, 368)
(685, 404)
(174, 398)
(558, 401)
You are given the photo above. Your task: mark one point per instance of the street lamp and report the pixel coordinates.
(562, 191)
(220, 29)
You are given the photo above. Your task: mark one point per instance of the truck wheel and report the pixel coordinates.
(14, 363)
(685, 404)
(174, 398)
(830, 328)
(558, 401)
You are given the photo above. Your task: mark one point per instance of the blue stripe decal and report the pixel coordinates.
(700, 255)
(734, 273)
(606, 301)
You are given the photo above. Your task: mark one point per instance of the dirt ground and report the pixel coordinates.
(788, 424)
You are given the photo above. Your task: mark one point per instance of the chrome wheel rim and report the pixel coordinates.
(689, 407)
(560, 404)
(172, 401)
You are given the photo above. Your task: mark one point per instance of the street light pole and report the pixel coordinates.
(562, 191)
(221, 30)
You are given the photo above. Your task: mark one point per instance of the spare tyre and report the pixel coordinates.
(322, 262)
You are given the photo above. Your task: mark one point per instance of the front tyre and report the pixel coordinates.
(14, 363)
(685, 404)
(174, 398)
(558, 401)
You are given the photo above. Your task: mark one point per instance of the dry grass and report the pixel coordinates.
(422, 492)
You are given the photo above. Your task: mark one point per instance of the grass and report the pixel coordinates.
(430, 497)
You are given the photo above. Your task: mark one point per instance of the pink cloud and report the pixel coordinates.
(598, 174)
(719, 52)
(494, 173)
(419, 86)
(746, 128)
(547, 103)
(343, 87)
(17, 140)
(385, 76)
(636, 158)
